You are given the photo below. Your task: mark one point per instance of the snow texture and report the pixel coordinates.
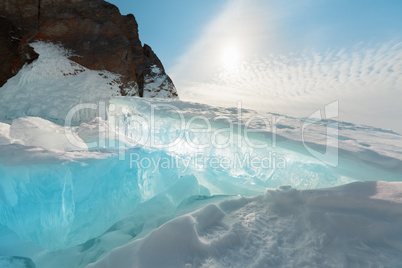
(52, 85)
(4, 134)
(356, 225)
(35, 131)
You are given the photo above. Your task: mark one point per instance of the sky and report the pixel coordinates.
(287, 57)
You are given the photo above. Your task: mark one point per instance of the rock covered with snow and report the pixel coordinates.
(157, 84)
(52, 85)
(13, 55)
(99, 36)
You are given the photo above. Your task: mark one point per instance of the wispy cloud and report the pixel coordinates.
(365, 78)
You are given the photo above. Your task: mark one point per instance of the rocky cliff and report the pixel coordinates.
(99, 37)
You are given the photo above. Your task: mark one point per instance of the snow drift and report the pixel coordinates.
(356, 225)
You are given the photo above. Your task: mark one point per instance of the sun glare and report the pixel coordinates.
(230, 57)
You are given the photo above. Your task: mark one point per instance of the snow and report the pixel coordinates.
(157, 85)
(102, 207)
(156, 183)
(52, 85)
(4, 134)
(35, 131)
(336, 227)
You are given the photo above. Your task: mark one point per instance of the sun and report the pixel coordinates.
(230, 57)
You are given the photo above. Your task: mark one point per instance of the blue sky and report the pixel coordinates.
(289, 57)
(170, 27)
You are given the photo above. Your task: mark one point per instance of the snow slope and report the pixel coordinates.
(355, 225)
(52, 85)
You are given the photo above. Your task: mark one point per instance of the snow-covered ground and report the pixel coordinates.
(355, 225)
(165, 183)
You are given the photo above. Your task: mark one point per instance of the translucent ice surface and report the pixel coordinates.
(59, 203)
(254, 149)
(150, 161)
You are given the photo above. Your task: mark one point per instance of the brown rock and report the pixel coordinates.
(14, 50)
